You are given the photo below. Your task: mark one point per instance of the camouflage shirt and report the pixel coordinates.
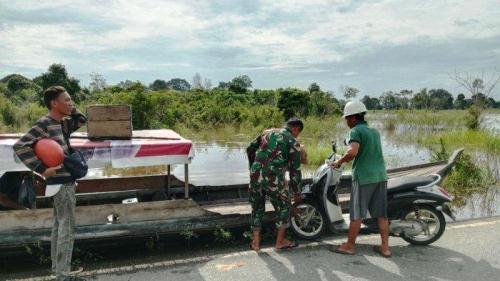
(273, 153)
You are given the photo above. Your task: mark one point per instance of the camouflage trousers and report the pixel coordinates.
(275, 188)
(63, 231)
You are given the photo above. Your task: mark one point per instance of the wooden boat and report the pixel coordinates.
(165, 204)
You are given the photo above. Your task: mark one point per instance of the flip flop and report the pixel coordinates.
(293, 244)
(251, 248)
(342, 252)
(377, 250)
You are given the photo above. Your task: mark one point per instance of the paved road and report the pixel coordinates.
(467, 251)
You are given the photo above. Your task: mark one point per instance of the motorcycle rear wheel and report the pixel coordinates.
(434, 220)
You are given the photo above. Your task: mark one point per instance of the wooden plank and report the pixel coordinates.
(11, 239)
(109, 129)
(109, 113)
(98, 214)
(109, 122)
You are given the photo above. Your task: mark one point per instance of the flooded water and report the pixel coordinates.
(215, 164)
(219, 162)
(491, 122)
(479, 205)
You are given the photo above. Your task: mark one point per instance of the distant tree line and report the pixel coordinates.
(166, 103)
(435, 99)
(197, 104)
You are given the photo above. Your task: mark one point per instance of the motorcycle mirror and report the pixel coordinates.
(334, 146)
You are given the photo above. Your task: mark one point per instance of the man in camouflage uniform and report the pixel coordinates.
(270, 155)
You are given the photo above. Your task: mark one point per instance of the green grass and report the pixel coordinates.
(419, 119)
(468, 178)
(475, 140)
(316, 154)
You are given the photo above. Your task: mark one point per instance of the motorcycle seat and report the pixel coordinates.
(407, 183)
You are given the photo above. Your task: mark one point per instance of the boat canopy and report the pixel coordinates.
(146, 148)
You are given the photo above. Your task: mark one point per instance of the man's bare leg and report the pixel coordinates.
(281, 241)
(255, 244)
(349, 246)
(383, 225)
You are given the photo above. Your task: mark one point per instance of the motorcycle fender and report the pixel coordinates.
(419, 198)
(447, 210)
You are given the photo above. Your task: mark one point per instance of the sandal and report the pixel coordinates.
(293, 244)
(339, 250)
(377, 250)
(252, 248)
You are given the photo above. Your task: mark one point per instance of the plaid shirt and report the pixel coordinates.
(46, 127)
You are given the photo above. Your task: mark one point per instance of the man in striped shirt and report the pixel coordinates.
(62, 120)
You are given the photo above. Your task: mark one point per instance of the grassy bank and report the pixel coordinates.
(473, 140)
(419, 119)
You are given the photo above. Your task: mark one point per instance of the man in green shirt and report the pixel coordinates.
(369, 179)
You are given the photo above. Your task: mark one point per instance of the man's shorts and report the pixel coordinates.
(368, 198)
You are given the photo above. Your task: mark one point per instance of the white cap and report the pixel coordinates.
(354, 107)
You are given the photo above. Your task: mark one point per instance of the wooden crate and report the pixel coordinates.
(109, 122)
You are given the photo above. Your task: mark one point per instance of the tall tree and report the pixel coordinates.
(421, 100)
(293, 102)
(97, 82)
(314, 87)
(57, 75)
(158, 85)
(460, 102)
(388, 100)
(178, 84)
(370, 103)
(349, 92)
(129, 85)
(441, 99)
(197, 81)
(267, 97)
(480, 100)
(224, 85)
(17, 83)
(403, 98)
(207, 84)
(477, 83)
(240, 84)
(323, 104)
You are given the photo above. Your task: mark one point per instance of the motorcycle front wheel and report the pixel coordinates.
(309, 221)
(429, 216)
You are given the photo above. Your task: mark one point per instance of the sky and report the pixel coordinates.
(375, 46)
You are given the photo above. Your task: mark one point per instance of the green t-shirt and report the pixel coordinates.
(368, 166)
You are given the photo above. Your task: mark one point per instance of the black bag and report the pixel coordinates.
(27, 194)
(76, 165)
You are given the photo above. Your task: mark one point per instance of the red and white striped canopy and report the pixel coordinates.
(146, 148)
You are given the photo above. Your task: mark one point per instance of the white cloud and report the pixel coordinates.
(125, 67)
(315, 32)
(277, 35)
(32, 46)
